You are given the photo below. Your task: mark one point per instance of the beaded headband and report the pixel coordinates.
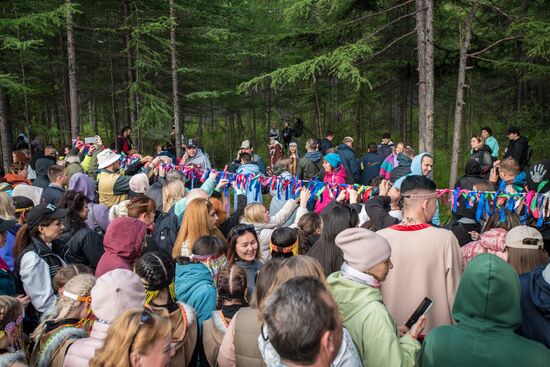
(430, 195)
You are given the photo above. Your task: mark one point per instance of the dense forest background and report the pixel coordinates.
(225, 70)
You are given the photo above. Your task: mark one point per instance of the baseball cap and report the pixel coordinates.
(43, 212)
(6, 225)
(192, 143)
(245, 144)
(516, 236)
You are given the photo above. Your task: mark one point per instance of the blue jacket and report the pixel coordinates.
(535, 307)
(247, 169)
(6, 251)
(349, 161)
(194, 286)
(370, 165)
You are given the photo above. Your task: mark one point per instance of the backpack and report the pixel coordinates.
(165, 231)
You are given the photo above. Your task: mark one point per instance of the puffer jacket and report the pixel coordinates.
(493, 242)
(83, 350)
(123, 244)
(82, 246)
(336, 177)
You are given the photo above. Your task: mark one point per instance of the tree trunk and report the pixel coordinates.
(5, 130)
(465, 38)
(424, 27)
(73, 84)
(175, 99)
(130, 103)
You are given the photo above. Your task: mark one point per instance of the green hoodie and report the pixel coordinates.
(487, 311)
(370, 325)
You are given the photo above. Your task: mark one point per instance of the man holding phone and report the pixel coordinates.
(356, 289)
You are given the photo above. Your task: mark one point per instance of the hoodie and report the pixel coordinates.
(200, 159)
(403, 167)
(123, 243)
(194, 286)
(535, 305)
(310, 166)
(98, 214)
(42, 166)
(365, 315)
(486, 311)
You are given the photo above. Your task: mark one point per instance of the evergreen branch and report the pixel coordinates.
(493, 45)
(378, 13)
(389, 45)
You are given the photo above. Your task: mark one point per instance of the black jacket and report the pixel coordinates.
(519, 150)
(52, 195)
(234, 218)
(324, 145)
(84, 246)
(403, 168)
(472, 177)
(483, 156)
(377, 209)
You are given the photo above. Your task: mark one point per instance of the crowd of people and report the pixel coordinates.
(116, 265)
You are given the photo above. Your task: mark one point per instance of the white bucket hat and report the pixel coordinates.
(106, 158)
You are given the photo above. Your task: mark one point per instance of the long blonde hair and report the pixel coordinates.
(254, 213)
(81, 285)
(196, 224)
(7, 209)
(172, 192)
(128, 334)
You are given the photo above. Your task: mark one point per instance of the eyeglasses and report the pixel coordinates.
(243, 228)
(146, 318)
(11, 327)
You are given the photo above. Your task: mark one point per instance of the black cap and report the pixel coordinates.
(6, 225)
(192, 143)
(22, 203)
(43, 212)
(513, 130)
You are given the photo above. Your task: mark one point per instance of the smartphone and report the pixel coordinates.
(422, 309)
(90, 140)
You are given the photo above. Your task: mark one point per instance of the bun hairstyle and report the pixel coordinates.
(158, 269)
(232, 285)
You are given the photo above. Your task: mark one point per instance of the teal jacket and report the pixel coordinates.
(493, 144)
(486, 311)
(370, 325)
(194, 286)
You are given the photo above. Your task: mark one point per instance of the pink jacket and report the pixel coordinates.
(493, 242)
(336, 176)
(83, 350)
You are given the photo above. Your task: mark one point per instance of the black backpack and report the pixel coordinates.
(165, 231)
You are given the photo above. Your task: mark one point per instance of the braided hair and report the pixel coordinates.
(158, 269)
(232, 285)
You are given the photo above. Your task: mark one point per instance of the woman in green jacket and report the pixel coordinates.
(487, 311)
(356, 289)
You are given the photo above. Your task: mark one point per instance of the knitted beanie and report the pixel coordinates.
(333, 159)
(363, 249)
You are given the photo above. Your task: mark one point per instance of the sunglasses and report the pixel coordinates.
(11, 327)
(146, 318)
